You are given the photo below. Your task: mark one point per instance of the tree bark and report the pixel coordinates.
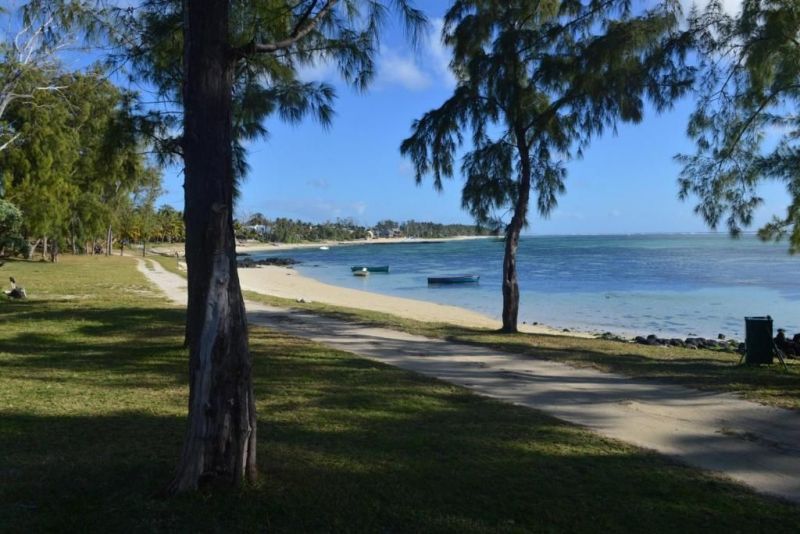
(510, 284)
(32, 249)
(220, 442)
(109, 237)
(44, 248)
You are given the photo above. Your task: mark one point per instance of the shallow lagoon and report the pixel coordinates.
(669, 285)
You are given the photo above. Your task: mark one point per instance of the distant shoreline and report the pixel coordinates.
(268, 247)
(246, 247)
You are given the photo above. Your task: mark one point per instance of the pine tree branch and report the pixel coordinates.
(305, 25)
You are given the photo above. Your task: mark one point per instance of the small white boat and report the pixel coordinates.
(324, 248)
(361, 272)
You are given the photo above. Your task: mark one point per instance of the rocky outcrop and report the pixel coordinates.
(729, 345)
(248, 263)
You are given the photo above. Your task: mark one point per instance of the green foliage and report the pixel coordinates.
(746, 123)
(10, 225)
(169, 226)
(76, 160)
(10, 219)
(265, 81)
(283, 230)
(536, 82)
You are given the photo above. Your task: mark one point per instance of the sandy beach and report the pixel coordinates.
(288, 283)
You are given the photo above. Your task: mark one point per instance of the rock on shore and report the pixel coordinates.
(247, 262)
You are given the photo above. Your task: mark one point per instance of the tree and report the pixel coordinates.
(536, 82)
(239, 65)
(10, 226)
(746, 122)
(28, 55)
(38, 167)
(76, 156)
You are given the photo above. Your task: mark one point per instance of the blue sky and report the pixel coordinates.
(624, 184)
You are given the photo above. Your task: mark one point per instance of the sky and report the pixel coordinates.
(625, 183)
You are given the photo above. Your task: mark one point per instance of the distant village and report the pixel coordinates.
(282, 230)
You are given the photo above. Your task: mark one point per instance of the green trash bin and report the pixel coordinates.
(758, 340)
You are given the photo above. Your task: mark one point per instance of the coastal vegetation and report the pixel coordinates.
(536, 83)
(93, 393)
(283, 230)
(74, 169)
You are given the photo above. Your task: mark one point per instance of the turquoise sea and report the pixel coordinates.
(668, 285)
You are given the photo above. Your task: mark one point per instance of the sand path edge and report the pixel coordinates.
(753, 444)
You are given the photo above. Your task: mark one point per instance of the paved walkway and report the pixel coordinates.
(753, 444)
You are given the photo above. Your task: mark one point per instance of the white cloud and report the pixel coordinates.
(396, 69)
(321, 70)
(412, 70)
(438, 54)
(418, 71)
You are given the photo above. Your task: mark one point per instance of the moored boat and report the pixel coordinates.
(371, 269)
(460, 279)
(362, 272)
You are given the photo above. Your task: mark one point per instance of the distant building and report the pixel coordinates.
(260, 229)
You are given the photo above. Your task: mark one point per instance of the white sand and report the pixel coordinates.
(288, 283)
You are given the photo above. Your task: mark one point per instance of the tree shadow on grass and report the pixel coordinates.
(112, 342)
(348, 445)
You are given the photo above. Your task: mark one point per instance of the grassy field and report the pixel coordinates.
(92, 406)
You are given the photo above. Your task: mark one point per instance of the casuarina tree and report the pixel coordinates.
(746, 123)
(226, 65)
(536, 81)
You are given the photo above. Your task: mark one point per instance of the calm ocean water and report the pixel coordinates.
(668, 285)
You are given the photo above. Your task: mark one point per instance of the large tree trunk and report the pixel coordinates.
(220, 441)
(44, 248)
(109, 238)
(510, 285)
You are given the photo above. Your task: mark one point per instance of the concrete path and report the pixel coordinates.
(753, 444)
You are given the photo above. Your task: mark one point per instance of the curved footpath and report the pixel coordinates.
(753, 444)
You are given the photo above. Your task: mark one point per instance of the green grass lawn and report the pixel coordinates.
(93, 399)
